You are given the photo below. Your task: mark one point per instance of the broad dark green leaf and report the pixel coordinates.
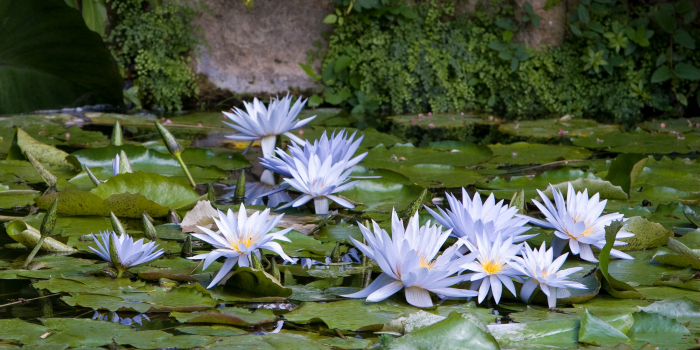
(49, 59)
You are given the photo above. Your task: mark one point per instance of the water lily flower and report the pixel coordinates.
(578, 222)
(470, 217)
(266, 123)
(319, 179)
(491, 267)
(542, 272)
(340, 147)
(123, 252)
(239, 237)
(408, 261)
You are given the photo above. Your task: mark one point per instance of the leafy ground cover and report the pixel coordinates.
(650, 174)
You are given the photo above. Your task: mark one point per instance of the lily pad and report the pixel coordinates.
(256, 282)
(234, 316)
(647, 234)
(152, 339)
(82, 332)
(503, 189)
(605, 189)
(595, 331)
(48, 266)
(127, 195)
(521, 153)
(217, 330)
(350, 315)
(443, 153)
(436, 176)
(279, 341)
(382, 195)
(43, 153)
(638, 142)
(457, 331)
(552, 128)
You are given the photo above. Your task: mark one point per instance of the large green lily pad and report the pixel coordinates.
(521, 153)
(639, 142)
(442, 153)
(350, 315)
(382, 195)
(127, 195)
(550, 128)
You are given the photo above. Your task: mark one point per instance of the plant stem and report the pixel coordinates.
(120, 273)
(34, 251)
(184, 168)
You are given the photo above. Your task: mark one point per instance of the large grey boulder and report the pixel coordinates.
(259, 50)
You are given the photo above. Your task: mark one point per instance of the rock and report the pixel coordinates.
(552, 28)
(259, 50)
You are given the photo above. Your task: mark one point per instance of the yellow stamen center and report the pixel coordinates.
(492, 267)
(426, 263)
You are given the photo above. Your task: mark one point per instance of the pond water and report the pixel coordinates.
(650, 173)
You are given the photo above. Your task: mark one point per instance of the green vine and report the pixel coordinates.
(387, 57)
(153, 44)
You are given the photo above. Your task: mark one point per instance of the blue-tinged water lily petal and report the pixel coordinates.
(408, 260)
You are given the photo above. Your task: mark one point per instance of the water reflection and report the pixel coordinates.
(253, 191)
(116, 318)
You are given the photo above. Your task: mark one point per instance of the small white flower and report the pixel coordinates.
(319, 180)
(123, 252)
(239, 237)
(408, 261)
(266, 123)
(340, 147)
(544, 273)
(491, 268)
(578, 221)
(469, 218)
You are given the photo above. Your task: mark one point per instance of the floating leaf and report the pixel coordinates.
(521, 153)
(381, 195)
(602, 187)
(22, 143)
(127, 195)
(454, 332)
(647, 234)
(552, 128)
(595, 331)
(256, 282)
(350, 315)
(234, 316)
(613, 286)
(152, 339)
(625, 169)
(443, 153)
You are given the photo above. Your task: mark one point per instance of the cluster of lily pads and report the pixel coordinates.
(478, 248)
(488, 252)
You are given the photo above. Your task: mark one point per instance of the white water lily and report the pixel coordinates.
(471, 217)
(339, 146)
(123, 252)
(578, 223)
(543, 272)
(491, 267)
(408, 261)
(319, 179)
(239, 237)
(266, 123)
(115, 165)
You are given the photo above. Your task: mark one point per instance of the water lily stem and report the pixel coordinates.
(34, 251)
(120, 273)
(184, 168)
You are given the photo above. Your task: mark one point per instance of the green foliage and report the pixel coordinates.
(154, 47)
(386, 57)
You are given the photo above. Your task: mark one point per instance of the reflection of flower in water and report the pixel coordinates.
(115, 318)
(253, 191)
(352, 256)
